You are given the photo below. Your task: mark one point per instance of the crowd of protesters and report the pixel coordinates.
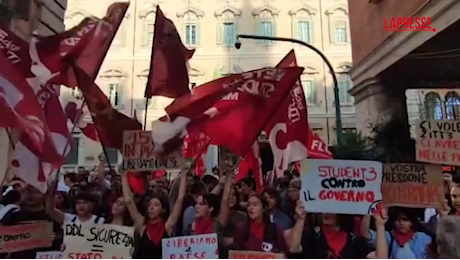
(273, 220)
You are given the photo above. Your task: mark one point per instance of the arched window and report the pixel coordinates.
(302, 23)
(338, 24)
(190, 19)
(148, 24)
(452, 104)
(308, 80)
(433, 106)
(266, 22)
(227, 27)
(114, 80)
(344, 84)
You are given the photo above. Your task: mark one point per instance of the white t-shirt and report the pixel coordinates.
(71, 217)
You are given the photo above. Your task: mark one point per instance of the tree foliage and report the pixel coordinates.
(388, 142)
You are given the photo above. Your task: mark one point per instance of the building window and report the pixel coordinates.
(113, 80)
(338, 24)
(228, 33)
(303, 31)
(190, 34)
(266, 22)
(341, 32)
(72, 156)
(452, 100)
(227, 25)
(309, 91)
(344, 83)
(266, 29)
(148, 23)
(433, 106)
(114, 94)
(190, 19)
(350, 130)
(112, 155)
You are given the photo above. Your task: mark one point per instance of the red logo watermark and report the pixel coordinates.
(408, 24)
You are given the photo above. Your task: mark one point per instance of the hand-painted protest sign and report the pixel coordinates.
(340, 186)
(413, 185)
(233, 254)
(191, 247)
(97, 241)
(49, 255)
(438, 141)
(25, 237)
(139, 155)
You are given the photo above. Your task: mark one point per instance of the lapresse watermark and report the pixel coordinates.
(408, 24)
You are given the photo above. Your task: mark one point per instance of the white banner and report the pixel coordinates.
(98, 241)
(191, 247)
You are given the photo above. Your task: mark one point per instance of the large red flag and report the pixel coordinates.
(288, 132)
(194, 112)
(110, 123)
(77, 113)
(29, 163)
(168, 66)
(238, 118)
(85, 45)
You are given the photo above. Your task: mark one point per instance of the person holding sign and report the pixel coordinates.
(259, 233)
(154, 226)
(329, 240)
(404, 241)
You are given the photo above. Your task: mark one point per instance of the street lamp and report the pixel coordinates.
(338, 117)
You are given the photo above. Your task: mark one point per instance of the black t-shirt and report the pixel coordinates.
(315, 246)
(24, 216)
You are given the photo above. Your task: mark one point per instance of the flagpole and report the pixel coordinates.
(146, 111)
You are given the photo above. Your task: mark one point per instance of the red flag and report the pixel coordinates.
(30, 163)
(251, 161)
(316, 147)
(109, 123)
(136, 181)
(222, 119)
(288, 132)
(19, 106)
(168, 68)
(86, 45)
(238, 119)
(78, 115)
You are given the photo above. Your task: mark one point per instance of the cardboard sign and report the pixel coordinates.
(233, 254)
(25, 237)
(49, 255)
(438, 141)
(191, 247)
(96, 241)
(138, 153)
(412, 185)
(340, 186)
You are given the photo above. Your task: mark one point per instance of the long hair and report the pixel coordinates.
(447, 237)
(127, 220)
(237, 205)
(213, 202)
(163, 201)
(269, 229)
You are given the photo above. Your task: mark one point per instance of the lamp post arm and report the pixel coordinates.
(338, 116)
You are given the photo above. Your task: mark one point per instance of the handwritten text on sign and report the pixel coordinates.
(25, 236)
(340, 186)
(233, 254)
(438, 141)
(190, 247)
(412, 185)
(97, 241)
(49, 255)
(139, 155)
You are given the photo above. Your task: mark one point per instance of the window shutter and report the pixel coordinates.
(311, 30)
(332, 33)
(220, 33)
(198, 33)
(294, 28)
